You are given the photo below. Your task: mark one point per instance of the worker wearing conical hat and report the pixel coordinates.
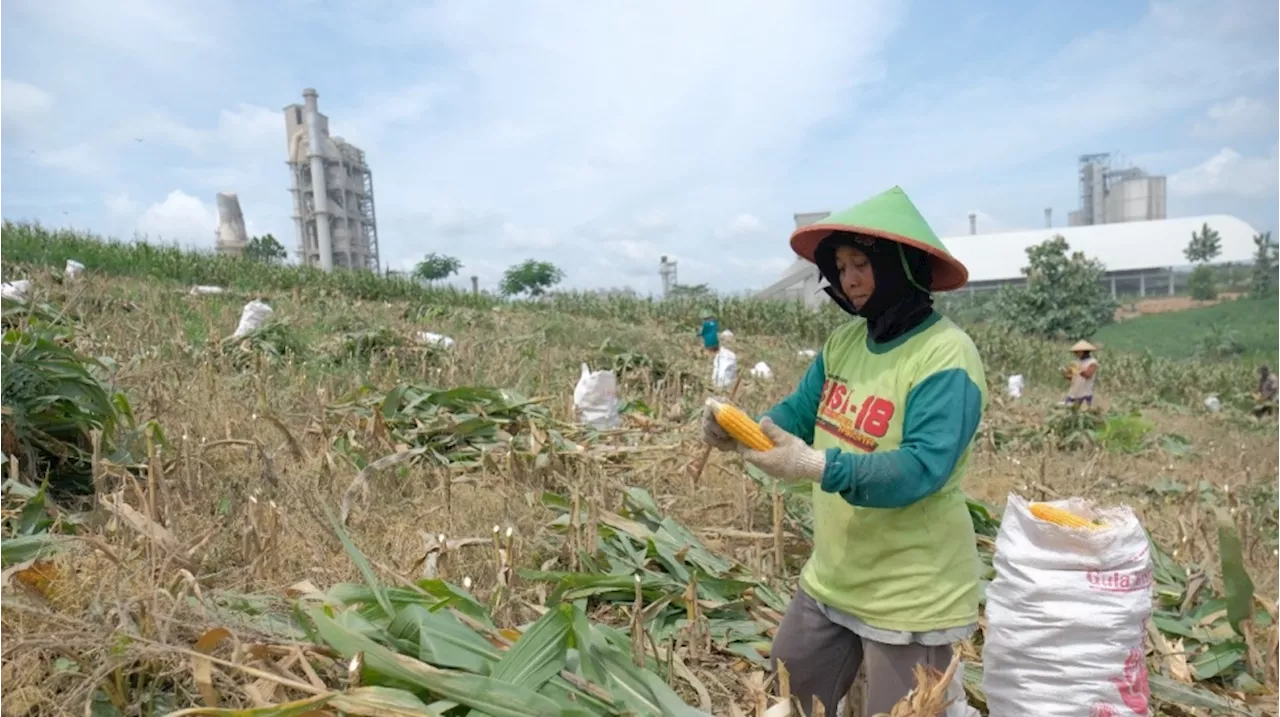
(1081, 374)
(882, 423)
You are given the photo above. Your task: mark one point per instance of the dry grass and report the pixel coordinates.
(240, 491)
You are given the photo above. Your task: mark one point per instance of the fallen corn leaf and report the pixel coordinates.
(202, 668)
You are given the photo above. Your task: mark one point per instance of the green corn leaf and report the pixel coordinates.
(1225, 657)
(540, 651)
(382, 702)
(28, 547)
(486, 694)
(361, 563)
(442, 640)
(1235, 578)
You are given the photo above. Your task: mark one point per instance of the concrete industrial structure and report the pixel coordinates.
(1141, 258)
(801, 281)
(667, 272)
(1110, 195)
(1121, 222)
(231, 236)
(332, 190)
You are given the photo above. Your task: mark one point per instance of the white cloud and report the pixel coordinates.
(1229, 174)
(145, 28)
(82, 158)
(180, 218)
(1238, 117)
(121, 205)
(655, 222)
(247, 131)
(741, 225)
(24, 107)
(520, 238)
(451, 221)
(249, 128)
(602, 137)
(951, 144)
(764, 270)
(613, 109)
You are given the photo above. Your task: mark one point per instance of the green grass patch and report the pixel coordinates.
(1240, 328)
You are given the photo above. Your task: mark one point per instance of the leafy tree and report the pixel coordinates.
(530, 277)
(1205, 245)
(435, 267)
(1064, 296)
(1202, 284)
(265, 249)
(1262, 281)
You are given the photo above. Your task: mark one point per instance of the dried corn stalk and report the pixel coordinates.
(929, 698)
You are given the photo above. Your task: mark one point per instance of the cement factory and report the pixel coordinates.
(332, 190)
(1121, 221)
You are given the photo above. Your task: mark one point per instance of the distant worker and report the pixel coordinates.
(1268, 387)
(710, 331)
(1081, 374)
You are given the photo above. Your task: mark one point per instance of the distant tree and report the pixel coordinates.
(1262, 282)
(265, 249)
(435, 267)
(1064, 297)
(530, 277)
(687, 291)
(1202, 284)
(1204, 247)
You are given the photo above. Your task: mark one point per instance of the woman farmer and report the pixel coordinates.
(1080, 374)
(882, 424)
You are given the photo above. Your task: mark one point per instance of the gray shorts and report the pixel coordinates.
(823, 658)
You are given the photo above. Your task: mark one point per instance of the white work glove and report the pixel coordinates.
(789, 459)
(713, 435)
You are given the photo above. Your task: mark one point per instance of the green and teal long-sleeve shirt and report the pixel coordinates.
(893, 541)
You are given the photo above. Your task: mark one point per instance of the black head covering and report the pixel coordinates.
(900, 302)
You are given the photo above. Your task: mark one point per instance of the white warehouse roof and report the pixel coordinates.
(1121, 246)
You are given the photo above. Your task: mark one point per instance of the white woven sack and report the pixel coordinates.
(1066, 616)
(595, 399)
(724, 369)
(254, 315)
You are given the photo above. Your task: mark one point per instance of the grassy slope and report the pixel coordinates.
(1180, 334)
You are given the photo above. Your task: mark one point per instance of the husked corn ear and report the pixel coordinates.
(1059, 516)
(739, 425)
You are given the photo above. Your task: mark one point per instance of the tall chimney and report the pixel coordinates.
(973, 222)
(475, 285)
(1048, 217)
(320, 192)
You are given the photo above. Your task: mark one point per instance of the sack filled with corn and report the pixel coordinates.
(1050, 513)
(1067, 611)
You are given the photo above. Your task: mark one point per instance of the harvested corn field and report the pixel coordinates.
(328, 515)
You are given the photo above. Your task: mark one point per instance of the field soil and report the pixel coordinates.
(258, 447)
(1160, 305)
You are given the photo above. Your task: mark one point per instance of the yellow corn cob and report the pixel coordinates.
(1059, 516)
(739, 425)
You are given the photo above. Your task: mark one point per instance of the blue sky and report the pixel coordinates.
(602, 135)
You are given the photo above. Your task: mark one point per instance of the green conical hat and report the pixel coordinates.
(889, 215)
